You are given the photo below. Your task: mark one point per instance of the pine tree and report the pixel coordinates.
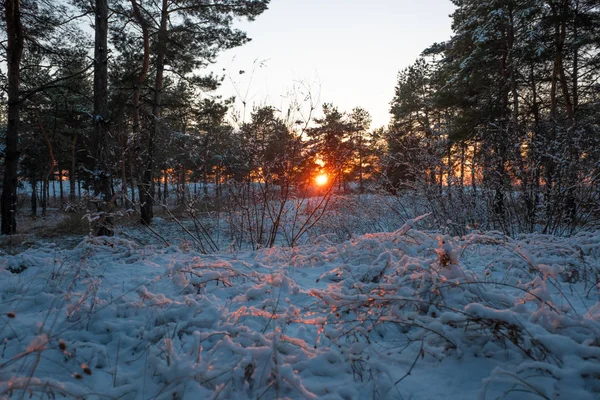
(511, 97)
(360, 119)
(331, 142)
(187, 35)
(52, 34)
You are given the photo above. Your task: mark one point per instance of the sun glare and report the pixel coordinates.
(321, 179)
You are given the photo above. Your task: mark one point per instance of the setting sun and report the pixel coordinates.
(321, 179)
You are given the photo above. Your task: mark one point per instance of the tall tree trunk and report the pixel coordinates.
(101, 184)
(360, 164)
(218, 180)
(14, 53)
(72, 173)
(183, 183)
(575, 73)
(205, 174)
(148, 176)
(101, 181)
(560, 45)
(33, 197)
(50, 174)
(45, 195)
(571, 105)
(60, 185)
(473, 167)
(462, 166)
(166, 186)
(141, 79)
(159, 197)
(124, 155)
(132, 191)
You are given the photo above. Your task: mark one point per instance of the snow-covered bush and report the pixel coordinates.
(394, 315)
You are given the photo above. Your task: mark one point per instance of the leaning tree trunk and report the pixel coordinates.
(14, 53)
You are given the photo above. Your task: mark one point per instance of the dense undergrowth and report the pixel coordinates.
(374, 316)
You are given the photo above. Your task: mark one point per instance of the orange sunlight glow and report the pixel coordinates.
(321, 179)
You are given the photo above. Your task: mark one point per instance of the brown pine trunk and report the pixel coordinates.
(141, 79)
(102, 184)
(45, 195)
(183, 183)
(72, 173)
(473, 166)
(205, 174)
(148, 176)
(133, 191)
(124, 155)
(462, 166)
(166, 186)
(159, 197)
(571, 107)
(14, 52)
(60, 185)
(33, 197)
(360, 165)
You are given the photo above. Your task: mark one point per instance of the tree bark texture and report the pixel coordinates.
(14, 53)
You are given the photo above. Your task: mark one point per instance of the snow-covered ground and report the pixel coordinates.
(409, 314)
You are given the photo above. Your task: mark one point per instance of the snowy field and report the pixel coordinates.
(409, 314)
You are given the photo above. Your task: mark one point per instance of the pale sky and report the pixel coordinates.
(348, 52)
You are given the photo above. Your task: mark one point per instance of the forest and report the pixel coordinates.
(162, 241)
(500, 121)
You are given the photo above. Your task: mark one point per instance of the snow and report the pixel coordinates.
(408, 314)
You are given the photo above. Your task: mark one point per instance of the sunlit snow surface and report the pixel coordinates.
(402, 315)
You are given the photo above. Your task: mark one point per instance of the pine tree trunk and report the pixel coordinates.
(132, 185)
(360, 165)
(159, 196)
(102, 186)
(101, 182)
(574, 152)
(33, 197)
(183, 183)
(218, 187)
(462, 166)
(141, 79)
(148, 176)
(72, 173)
(45, 195)
(123, 188)
(14, 52)
(473, 183)
(166, 187)
(60, 185)
(205, 175)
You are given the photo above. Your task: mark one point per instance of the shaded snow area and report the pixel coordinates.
(401, 315)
